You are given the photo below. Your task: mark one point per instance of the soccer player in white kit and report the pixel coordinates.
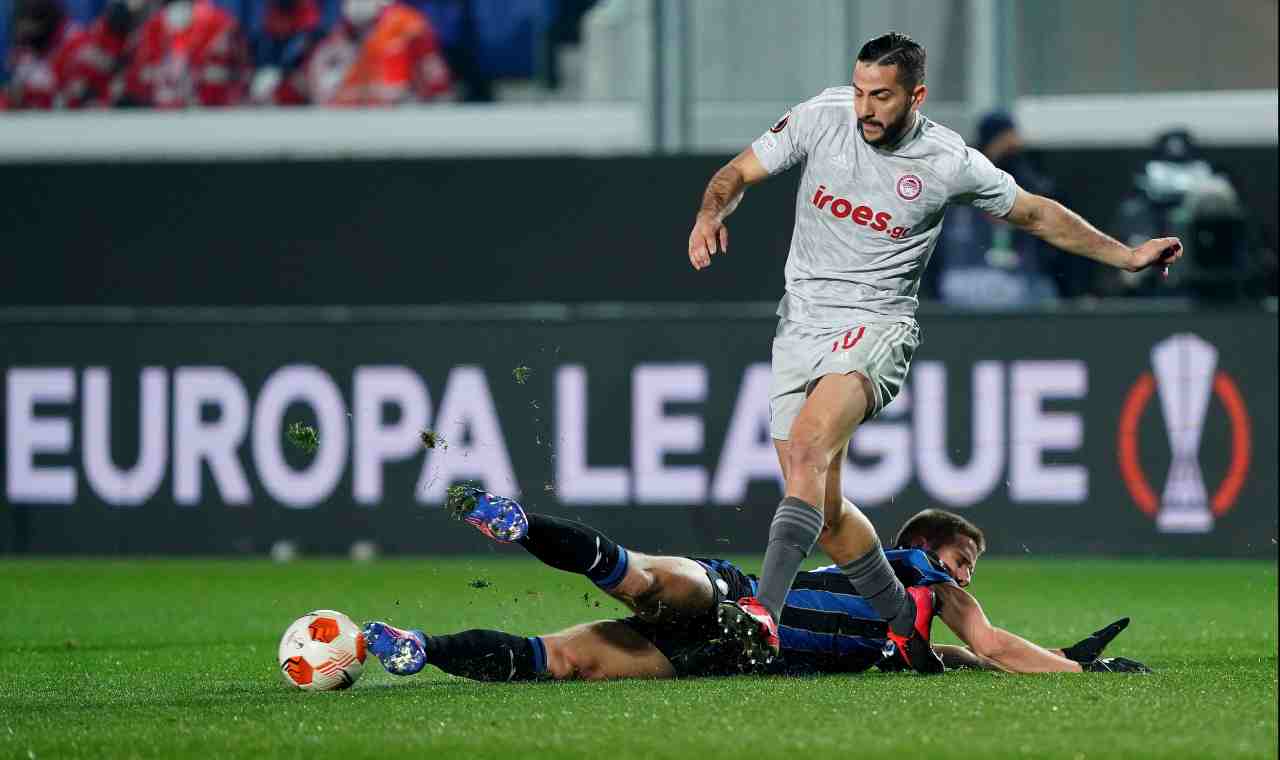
(877, 178)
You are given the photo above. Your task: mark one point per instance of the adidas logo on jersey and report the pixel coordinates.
(843, 208)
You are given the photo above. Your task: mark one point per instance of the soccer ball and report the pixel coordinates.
(322, 650)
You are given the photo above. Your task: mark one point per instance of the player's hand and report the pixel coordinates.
(1090, 648)
(1160, 252)
(708, 238)
(1115, 665)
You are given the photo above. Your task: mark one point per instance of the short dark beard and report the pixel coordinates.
(892, 132)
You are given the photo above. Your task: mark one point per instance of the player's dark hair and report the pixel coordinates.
(896, 49)
(938, 528)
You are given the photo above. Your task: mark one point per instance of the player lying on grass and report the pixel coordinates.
(675, 631)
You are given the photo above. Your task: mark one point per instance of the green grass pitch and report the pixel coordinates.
(176, 658)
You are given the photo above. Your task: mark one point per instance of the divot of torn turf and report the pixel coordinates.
(433, 440)
(303, 436)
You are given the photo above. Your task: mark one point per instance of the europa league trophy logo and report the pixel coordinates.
(1184, 366)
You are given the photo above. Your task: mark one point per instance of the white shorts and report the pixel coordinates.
(803, 354)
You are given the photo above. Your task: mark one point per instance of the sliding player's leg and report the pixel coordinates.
(654, 587)
(481, 655)
(666, 588)
(593, 651)
(605, 649)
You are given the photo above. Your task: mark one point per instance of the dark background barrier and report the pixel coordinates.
(440, 231)
(1042, 428)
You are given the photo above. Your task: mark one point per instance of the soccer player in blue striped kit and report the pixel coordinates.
(675, 631)
(876, 180)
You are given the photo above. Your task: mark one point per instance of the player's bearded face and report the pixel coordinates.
(883, 107)
(879, 130)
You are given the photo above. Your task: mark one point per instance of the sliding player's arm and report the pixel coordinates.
(1008, 652)
(724, 193)
(1064, 229)
(955, 658)
(1087, 652)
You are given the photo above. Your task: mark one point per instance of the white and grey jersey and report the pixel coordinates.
(867, 219)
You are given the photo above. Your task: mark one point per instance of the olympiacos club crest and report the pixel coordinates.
(909, 187)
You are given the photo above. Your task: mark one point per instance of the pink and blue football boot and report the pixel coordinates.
(497, 517)
(402, 653)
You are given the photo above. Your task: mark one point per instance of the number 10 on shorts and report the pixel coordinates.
(850, 340)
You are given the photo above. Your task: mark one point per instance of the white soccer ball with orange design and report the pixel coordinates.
(321, 651)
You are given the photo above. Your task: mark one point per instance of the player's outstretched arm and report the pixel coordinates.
(722, 196)
(955, 658)
(1011, 653)
(1062, 228)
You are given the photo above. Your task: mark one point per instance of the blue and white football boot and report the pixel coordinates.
(402, 653)
(497, 517)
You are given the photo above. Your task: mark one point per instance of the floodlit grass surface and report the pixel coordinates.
(176, 658)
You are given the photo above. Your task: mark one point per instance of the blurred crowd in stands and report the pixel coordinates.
(210, 53)
(171, 54)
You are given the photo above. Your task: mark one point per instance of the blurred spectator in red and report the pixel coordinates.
(189, 53)
(378, 53)
(290, 30)
(41, 29)
(91, 73)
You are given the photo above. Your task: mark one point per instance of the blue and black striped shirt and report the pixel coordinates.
(827, 627)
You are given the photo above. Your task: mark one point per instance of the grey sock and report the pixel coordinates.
(794, 531)
(874, 580)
